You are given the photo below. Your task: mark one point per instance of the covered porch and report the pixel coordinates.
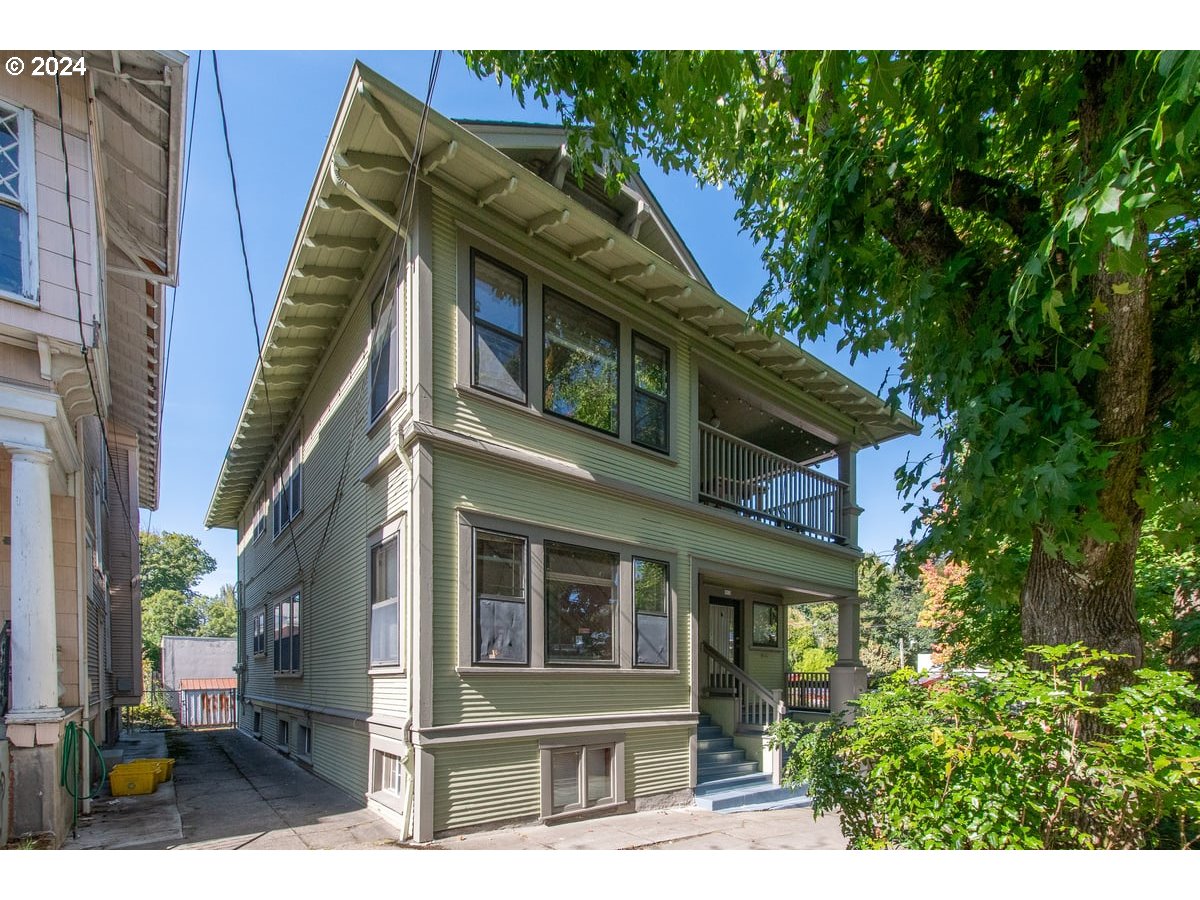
(743, 680)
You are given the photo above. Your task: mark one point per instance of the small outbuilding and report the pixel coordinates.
(197, 675)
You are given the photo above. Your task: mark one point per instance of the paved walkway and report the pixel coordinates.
(231, 792)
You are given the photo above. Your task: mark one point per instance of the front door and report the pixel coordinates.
(724, 628)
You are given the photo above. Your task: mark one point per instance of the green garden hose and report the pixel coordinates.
(69, 777)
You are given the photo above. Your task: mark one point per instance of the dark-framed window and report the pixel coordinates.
(498, 328)
(652, 612)
(501, 598)
(287, 635)
(260, 633)
(287, 499)
(384, 369)
(582, 363)
(651, 394)
(582, 594)
(765, 632)
(385, 602)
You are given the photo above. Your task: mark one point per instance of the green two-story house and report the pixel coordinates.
(521, 502)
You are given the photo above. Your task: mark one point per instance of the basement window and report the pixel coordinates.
(577, 777)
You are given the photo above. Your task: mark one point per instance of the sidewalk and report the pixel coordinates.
(231, 792)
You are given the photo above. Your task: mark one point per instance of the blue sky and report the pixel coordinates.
(280, 108)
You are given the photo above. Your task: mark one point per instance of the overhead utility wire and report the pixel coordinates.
(258, 342)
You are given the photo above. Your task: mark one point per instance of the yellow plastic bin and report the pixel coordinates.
(168, 766)
(127, 780)
(155, 767)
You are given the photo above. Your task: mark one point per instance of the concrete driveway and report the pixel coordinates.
(231, 792)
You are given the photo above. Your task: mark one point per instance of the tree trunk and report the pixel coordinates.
(1184, 658)
(1091, 601)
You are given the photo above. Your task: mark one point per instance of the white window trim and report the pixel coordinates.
(399, 318)
(536, 535)
(546, 748)
(282, 724)
(393, 531)
(29, 223)
(387, 746)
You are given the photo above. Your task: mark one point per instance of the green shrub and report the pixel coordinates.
(148, 716)
(1023, 758)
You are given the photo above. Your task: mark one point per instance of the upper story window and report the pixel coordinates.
(385, 345)
(582, 363)
(287, 635)
(260, 516)
(286, 497)
(498, 328)
(259, 627)
(651, 394)
(18, 219)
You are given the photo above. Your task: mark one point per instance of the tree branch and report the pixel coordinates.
(995, 197)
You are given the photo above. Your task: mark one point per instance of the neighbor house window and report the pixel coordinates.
(385, 603)
(287, 635)
(384, 367)
(651, 394)
(259, 627)
(498, 328)
(257, 722)
(304, 739)
(577, 778)
(501, 610)
(652, 609)
(581, 361)
(581, 601)
(766, 625)
(282, 734)
(18, 218)
(287, 501)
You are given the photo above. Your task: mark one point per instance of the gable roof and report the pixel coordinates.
(351, 211)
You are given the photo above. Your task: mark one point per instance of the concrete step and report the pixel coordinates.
(708, 759)
(709, 745)
(705, 774)
(709, 731)
(748, 793)
(705, 719)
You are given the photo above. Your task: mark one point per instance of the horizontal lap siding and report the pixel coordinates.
(486, 782)
(334, 609)
(340, 755)
(766, 667)
(657, 761)
(389, 695)
(479, 485)
(510, 425)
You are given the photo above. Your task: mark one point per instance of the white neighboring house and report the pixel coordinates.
(82, 285)
(187, 660)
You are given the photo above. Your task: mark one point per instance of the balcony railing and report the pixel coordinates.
(770, 488)
(807, 691)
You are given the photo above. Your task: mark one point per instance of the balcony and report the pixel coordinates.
(767, 487)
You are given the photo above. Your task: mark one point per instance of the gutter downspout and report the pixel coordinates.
(83, 568)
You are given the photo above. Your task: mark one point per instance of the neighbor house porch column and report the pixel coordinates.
(847, 677)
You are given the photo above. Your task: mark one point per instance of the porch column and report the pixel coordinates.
(850, 511)
(34, 641)
(848, 677)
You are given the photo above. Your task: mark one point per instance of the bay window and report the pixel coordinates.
(651, 394)
(501, 610)
(581, 596)
(385, 602)
(384, 367)
(581, 358)
(652, 609)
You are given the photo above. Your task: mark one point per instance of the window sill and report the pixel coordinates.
(560, 670)
(291, 676)
(553, 420)
(378, 671)
(396, 402)
(386, 798)
(19, 298)
(617, 806)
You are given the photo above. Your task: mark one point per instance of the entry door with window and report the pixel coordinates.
(725, 628)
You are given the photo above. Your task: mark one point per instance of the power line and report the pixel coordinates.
(187, 177)
(83, 345)
(258, 342)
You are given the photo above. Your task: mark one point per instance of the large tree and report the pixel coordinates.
(172, 561)
(1021, 227)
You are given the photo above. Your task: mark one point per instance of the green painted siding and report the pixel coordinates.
(766, 667)
(486, 782)
(509, 423)
(657, 761)
(389, 695)
(341, 756)
(476, 484)
(334, 607)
